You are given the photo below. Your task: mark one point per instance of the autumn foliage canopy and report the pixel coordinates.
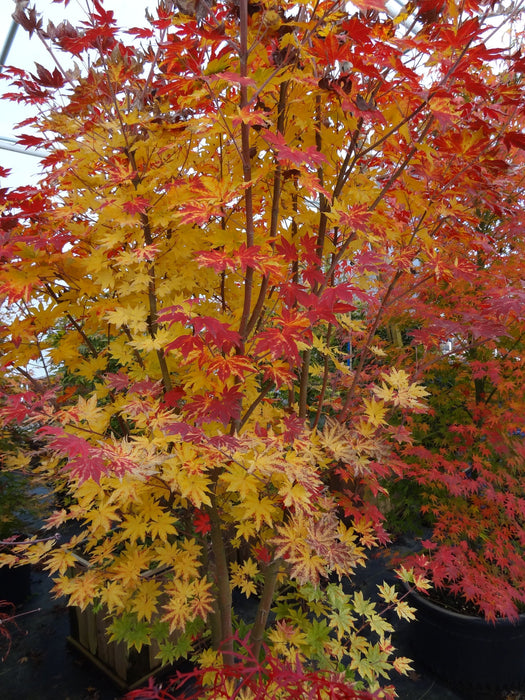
(265, 237)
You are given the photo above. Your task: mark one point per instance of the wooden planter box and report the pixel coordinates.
(127, 668)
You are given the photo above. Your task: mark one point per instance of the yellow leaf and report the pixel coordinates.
(145, 600)
(95, 416)
(134, 317)
(131, 564)
(60, 560)
(89, 368)
(194, 488)
(82, 589)
(402, 665)
(238, 480)
(375, 412)
(113, 596)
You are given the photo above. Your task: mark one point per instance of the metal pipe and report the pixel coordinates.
(8, 43)
(7, 144)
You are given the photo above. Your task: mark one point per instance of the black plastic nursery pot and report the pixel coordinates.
(465, 650)
(15, 584)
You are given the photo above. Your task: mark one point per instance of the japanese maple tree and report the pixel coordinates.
(242, 207)
(469, 450)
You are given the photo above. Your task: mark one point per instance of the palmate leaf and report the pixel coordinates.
(211, 407)
(289, 155)
(128, 628)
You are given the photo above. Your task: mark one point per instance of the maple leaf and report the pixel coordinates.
(209, 407)
(514, 138)
(144, 602)
(187, 600)
(218, 332)
(141, 32)
(378, 5)
(243, 576)
(201, 523)
(285, 340)
(279, 374)
(82, 591)
(225, 367)
(56, 519)
(48, 79)
(84, 461)
(444, 109)
(236, 78)
(403, 665)
(375, 411)
(399, 391)
(329, 49)
(113, 596)
(295, 156)
(239, 480)
(139, 205)
(355, 217)
(30, 141)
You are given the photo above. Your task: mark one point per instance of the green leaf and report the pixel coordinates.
(317, 634)
(127, 628)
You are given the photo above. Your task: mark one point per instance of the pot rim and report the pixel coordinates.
(462, 617)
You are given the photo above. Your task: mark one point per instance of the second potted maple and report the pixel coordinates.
(470, 469)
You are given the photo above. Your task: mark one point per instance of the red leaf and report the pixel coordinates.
(209, 408)
(285, 152)
(83, 460)
(377, 5)
(47, 79)
(139, 205)
(225, 367)
(294, 428)
(102, 16)
(287, 249)
(30, 141)
(118, 381)
(217, 332)
(263, 554)
(355, 217)
(243, 258)
(146, 387)
(30, 22)
(201, 522)
(429, 10)
(235, 78)
(282, 340)
(140, 32)
(173, 397)
(186, 344)
(330, 49)
(280, 374)
(173, 314)
(514, 138)
(334, 300)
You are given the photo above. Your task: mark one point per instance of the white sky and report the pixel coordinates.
(23, 54)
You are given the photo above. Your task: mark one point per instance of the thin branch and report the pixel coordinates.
(265, 388)
(246, 168)
(274, 216)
